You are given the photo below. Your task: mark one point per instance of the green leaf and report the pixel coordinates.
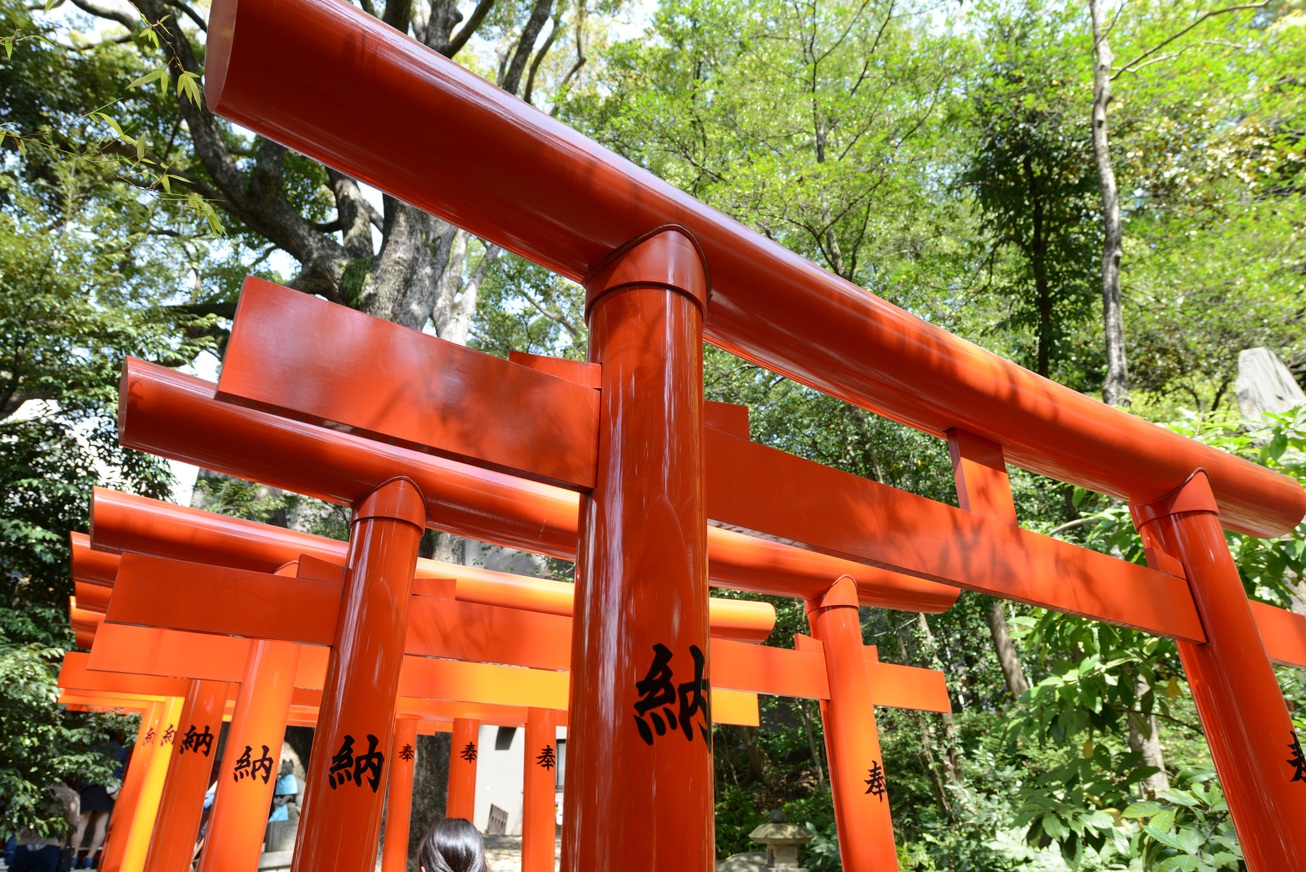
(1142, 810)
(1053, 826)
(148, 77)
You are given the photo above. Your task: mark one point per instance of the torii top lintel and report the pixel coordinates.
(427, 131)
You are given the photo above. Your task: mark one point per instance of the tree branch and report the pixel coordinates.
(190, 13)
(460, 38)
(511, 78)
(1156, 48)
(539, 58)
(122, 18)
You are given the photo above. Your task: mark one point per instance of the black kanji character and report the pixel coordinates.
(468, 753)
(342, 764)
(149, 735)
(546, 758)
(197, 742)
(242, 767)
(656, 691)
(406, 752)
(875, 784)
(262, 764)
(694, 699)
(1297, 761)
(168, 736)
(370, 763)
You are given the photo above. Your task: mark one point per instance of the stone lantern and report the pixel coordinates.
(782, 841)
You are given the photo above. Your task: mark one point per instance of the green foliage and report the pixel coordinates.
(1187, 827)
(1033, 178)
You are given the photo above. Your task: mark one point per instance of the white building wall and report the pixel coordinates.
(500, 774)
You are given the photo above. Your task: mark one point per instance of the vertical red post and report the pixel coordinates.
(640, 795)
(191, 753)
(463, 751)
(156, 773)
(857, 777)
(539, 794)
(399, 797)
(251, 759)
(125, 806)
(1255, 749)
(344, 795)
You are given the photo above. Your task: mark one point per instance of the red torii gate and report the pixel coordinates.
(516, 177)
(149, 585)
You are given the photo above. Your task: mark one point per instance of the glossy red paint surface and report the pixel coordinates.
(240, 808)
(129, 801)
(1238, 699)
(137, 524)
(340, 826)
(641, 593)
(550, 194)
(148, 804)
(174, 415)
(852, 744)
(94, 567)
(464, 751)
(182, 804)
(857, 518)
(539, 796)
(399, 796)
(365, 386)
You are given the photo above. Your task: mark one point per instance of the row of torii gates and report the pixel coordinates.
(619, 464)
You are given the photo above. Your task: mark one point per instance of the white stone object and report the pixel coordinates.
(1265, 385)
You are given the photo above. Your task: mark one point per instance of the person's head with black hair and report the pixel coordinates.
(452, 845)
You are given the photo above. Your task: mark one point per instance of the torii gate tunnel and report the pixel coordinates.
(627, 435)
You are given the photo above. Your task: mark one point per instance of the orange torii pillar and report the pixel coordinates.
(341, 822)
(127, 851)
(857, 778)
(124, 807)
(641, 796)
(182, 805)
(1256, 751)
(252, 758)
(461, 800)
(399, 796)
(539, 792)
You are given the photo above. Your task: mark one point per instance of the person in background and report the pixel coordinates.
(452, 845)
(41, 853)
(97, 803)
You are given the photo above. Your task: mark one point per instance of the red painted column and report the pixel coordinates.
(251, 759)
(344, 795)
(539, 794)
(639, 793)
(128, 804)
(1256, 750)
(463, 751)
(156, 773)
(857, 777)
(182, 805)
(399, 797)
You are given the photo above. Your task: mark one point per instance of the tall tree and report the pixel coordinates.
(1115, 387)
(1032, 176)
(395, 262)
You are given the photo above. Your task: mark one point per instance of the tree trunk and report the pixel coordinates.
(812, 745)
(756, 758)
(951, 758)
(1145, 740)
(430, 790)
(1115, 389)
(1014, 676)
